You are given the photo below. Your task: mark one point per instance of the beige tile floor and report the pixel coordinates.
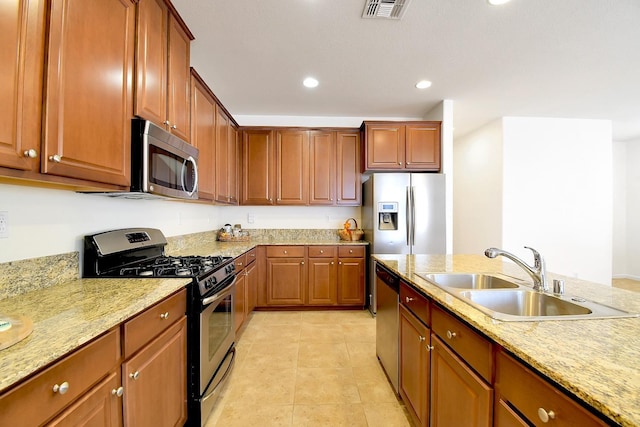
(310, 368)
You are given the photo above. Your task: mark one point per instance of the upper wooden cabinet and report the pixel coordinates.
(392, 146)
(203, 135)
(227, 153)
(162, 61)
(348, 178)
(258, 168)
(322, 168)
(87, 120)
(292, 167)
(21, 68)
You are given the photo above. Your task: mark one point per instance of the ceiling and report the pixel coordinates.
(538, 58)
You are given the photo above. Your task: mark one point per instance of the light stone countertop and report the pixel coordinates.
(595, 360)
(70, 312)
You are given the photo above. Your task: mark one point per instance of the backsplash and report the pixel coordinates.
(19, 277)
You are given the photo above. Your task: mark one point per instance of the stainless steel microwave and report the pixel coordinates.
(162, 163)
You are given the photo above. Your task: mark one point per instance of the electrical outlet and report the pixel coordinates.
(4, 225)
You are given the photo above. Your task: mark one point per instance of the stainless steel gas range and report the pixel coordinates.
(139, 252)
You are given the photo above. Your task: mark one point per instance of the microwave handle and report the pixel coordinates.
(184, 170)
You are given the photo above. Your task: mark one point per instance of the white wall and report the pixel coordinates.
(619, 267)
(477, 190)
(555, 195)
(633, 209)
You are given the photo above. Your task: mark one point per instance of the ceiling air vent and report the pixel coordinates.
(385, 9)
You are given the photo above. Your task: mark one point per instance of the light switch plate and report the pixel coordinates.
(4, 225)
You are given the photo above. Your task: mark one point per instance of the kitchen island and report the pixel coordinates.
(594, 360)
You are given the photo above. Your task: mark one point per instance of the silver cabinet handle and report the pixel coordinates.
(302, 263)
(429, 347)
(117, 392)
(57, 158)
(545, 416)
(408, 163)
(164, 315)
(62, 388)
(321, 251)
(350, 251)
(166, 122)
(421, 338)
(409, 299)
(400, 163)
(285, 252)
(174, 127)
(31, 153)
(332, 262)
(135, 375)
(340, 262)
(451, 335)
(239, 264)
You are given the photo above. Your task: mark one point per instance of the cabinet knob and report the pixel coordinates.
(31, 153)
(400, 163)
(166, 122)
(270, 200)
(284, 252)
(239, 264)
(340, 262)
(57, 158)
(545, 416)
(302, 263)
(135, 375)
(409, 299)
(451, 335)
(62, 388)
(421, 338)
(164, 315)
(408, 163)
(321, 251)
(350, 251)
(174, 127)
(429, 347)
(332, 262)
(117, 392)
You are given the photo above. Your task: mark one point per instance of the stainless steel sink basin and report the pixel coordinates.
(469, 280)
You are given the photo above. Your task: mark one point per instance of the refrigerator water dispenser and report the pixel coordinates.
(387, 215)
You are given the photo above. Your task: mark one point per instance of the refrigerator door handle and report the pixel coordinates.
(408, 215)
(413, 218)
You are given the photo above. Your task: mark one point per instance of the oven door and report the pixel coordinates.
(217, 332)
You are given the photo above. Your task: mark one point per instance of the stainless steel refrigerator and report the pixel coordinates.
(403, 213)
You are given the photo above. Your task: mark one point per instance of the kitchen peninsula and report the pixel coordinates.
(593, 360)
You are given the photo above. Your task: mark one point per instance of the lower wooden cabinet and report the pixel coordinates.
(459, 397)
(155, 381)
(286, 275)
(240, 301)
(351, 277)
(323, 275)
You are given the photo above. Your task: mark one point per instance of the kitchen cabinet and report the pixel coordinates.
(203, 134)
(286, 276)
(292, 167)
(154, 373)
(251, 272)
(348, 178)
(21, 73)
(322, 165)
(162, 63)
(407, 146)
(525, 398)
(227, 153)
(415, 347)
(351, 270)
(258, 167)
(68, 384)
(87, 105)
(245, 297)
(322, 280)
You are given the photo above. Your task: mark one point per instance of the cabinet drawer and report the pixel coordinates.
(78, 371)
(251, 256)
(285, 251)
(322, 251)
(531, 394)
(351, 251)
(240, 262)
(470, 345)
(151, 322)
(415, 302)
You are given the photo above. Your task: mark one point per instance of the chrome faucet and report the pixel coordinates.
(537, 272)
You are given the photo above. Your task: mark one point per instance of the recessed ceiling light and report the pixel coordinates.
(497, 2)
(423, 84)
(310, 82)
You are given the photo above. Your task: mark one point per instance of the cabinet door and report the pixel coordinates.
(203, 135)
(21, 67)
(504, 416)
(422, 149)
(351, 281)
(178, 80)
(234, 164)
(155, 381)
(385, 146)
(258, 167)
(292, 167)
(414, 366)
(151, 61)
(87, 121)
(322, 281)
(222, 156)
(348, 175)
(458, 396)
(322, 174)
(285, 281)
(252, 287)
(100, 406)
(240, 300)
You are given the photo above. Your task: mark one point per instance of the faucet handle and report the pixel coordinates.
(537, 258)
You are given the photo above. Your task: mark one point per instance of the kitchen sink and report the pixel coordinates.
(510, 299)
(469, 280)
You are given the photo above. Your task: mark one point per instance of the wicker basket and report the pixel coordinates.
(351, 234)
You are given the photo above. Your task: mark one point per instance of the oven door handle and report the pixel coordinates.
(226, 374)
(223, 293)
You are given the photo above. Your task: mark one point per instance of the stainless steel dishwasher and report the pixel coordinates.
(387, 322)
